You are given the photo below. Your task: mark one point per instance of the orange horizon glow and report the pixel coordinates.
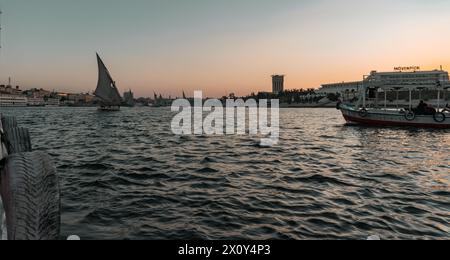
(219, 47)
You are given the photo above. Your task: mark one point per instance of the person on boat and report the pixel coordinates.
(424, 109)
(421, 108)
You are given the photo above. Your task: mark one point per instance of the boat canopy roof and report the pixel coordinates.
(440, 85)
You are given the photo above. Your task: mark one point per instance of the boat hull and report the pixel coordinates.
(109, 109)
(395, 118)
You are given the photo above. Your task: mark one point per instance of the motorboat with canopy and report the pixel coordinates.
(369, 111)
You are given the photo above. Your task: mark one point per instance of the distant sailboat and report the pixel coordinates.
(107, 92)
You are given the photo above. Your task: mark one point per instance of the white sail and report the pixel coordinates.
(106, 87)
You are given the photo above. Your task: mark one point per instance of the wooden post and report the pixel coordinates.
(385, 99)
(439, 100)
(364, 95)
(398, 94)
(410, 99)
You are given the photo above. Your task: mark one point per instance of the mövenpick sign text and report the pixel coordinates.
(237, 117)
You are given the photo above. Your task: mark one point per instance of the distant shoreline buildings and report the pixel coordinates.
(398, 81)
(16, 97)
(326, 95)
(37, 97)
(395, 79)
(128, 98)
(396, 88)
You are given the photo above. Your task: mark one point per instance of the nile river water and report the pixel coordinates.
(124, 175)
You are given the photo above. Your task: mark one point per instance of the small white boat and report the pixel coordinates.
(107, 92)
(108, 108)
(377, 115)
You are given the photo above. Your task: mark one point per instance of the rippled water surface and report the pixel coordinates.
(126, 176)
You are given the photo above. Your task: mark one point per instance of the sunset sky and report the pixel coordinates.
(218, 46)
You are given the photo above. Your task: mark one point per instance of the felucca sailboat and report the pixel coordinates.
(107, 92)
